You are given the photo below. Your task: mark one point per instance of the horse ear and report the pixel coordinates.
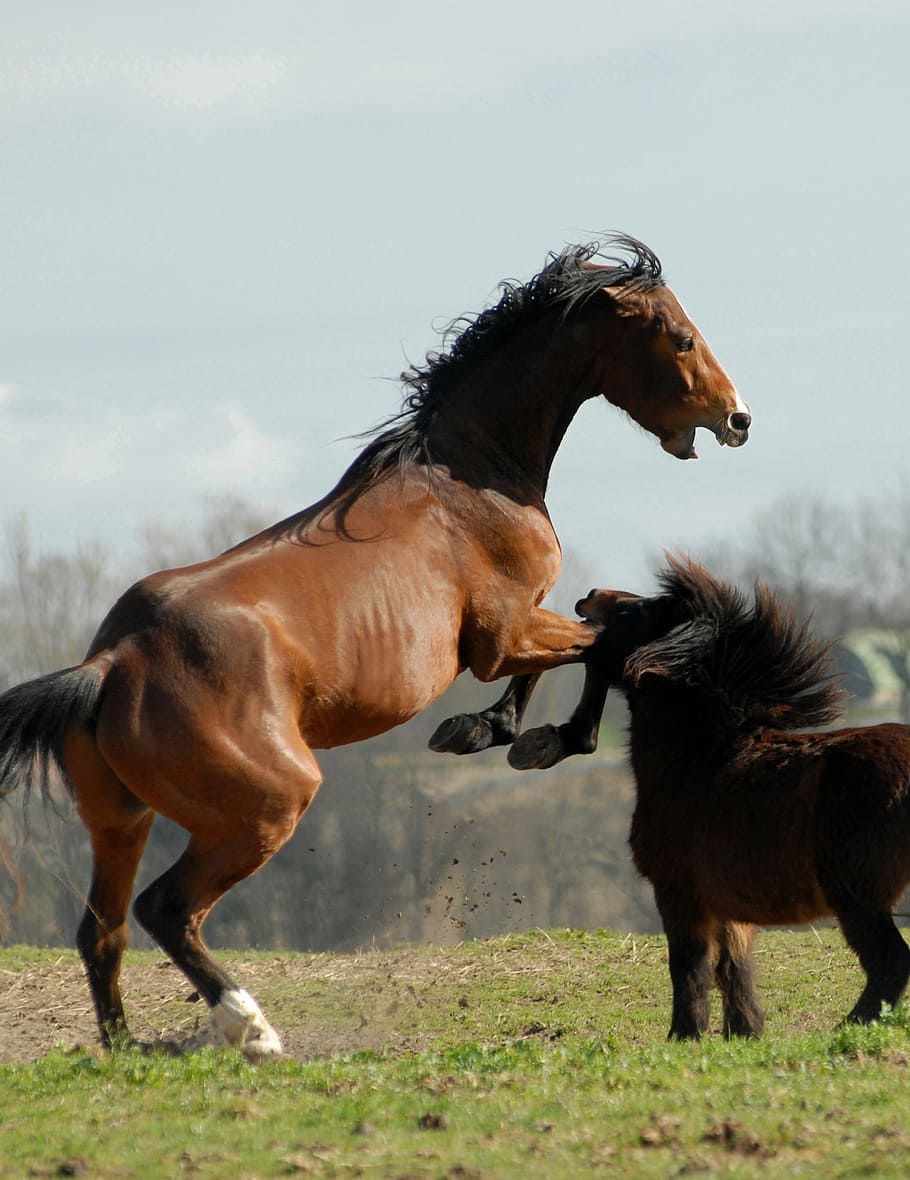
(623, 300)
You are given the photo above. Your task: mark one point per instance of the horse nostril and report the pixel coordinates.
(740, 420)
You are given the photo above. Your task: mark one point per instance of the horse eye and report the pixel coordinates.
(686, 344)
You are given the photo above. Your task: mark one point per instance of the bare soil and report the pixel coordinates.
(48, 1007)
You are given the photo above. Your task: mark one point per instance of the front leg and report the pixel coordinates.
(468, 733)
(690, 974)
(691, 968)
(546, 641)
(539, 749)
(735, 976)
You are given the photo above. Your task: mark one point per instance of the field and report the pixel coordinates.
(541, 1054)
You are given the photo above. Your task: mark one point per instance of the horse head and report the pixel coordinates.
(659, 368)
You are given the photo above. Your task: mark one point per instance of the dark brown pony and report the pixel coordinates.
(206, 689)
(739, 821)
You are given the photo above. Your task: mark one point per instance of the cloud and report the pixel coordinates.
(283, 56)
(204, 82)
(101, 470)
(247, 456)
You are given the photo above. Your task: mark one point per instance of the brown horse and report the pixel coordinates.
(740, 822)
(207, 688)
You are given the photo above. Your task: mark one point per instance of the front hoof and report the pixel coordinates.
(467, 733)
(537, 749)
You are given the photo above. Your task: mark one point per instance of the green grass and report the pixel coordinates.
(539, 1055)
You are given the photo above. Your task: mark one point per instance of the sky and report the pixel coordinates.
(228, 227)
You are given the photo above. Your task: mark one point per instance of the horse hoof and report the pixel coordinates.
(242, 1024)
(261, 1045)
(537, 749)
(466, 733)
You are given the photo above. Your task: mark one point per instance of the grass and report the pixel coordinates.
(541, 1054)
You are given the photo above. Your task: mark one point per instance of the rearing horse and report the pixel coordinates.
(207, 688)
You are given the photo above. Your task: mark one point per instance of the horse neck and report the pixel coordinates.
(508, 414)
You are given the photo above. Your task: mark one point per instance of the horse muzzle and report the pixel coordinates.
(730, 431)
(733, 431)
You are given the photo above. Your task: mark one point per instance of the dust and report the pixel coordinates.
(47, 1007)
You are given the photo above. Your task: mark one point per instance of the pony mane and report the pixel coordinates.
(770, 671)
(566, 282)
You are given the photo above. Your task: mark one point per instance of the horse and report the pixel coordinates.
(207, 688)
(739, 821)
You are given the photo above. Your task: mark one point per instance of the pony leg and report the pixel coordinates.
(690, 973)
(691, 968)
(885, 958)
(468, 733)
(735, 976)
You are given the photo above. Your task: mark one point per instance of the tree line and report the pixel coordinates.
(402, 844)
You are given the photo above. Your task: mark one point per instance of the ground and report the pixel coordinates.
(47, 1006)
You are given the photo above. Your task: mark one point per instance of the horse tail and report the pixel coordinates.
(34, 720)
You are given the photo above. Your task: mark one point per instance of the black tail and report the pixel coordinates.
(34, 718)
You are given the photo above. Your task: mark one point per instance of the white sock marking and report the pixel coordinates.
(242, 1024)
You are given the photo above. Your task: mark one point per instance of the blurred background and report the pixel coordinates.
(230, 227)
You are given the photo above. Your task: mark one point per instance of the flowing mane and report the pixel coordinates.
(567, 281)
(771, 671)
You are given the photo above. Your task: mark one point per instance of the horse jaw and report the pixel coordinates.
(680, 446)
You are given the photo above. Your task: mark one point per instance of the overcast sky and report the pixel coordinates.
(228, 227)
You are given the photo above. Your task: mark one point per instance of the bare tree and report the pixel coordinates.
(805, 545)
(225, 521)
(50, 604)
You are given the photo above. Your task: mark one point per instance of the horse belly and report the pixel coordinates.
(381, 690)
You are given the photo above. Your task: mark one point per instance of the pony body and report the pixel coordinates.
(739, 821)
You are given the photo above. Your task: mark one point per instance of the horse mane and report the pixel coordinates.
(567, 281)
(769, 670)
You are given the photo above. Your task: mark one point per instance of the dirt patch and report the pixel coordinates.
(320, 1004)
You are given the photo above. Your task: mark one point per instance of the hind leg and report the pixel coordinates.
(885, 958)
(118, 825)
(173, 908)
(102, 934)
(735, 976)
(253, 820)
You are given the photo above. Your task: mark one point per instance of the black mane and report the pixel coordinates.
(770, 671)
(565, 282)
